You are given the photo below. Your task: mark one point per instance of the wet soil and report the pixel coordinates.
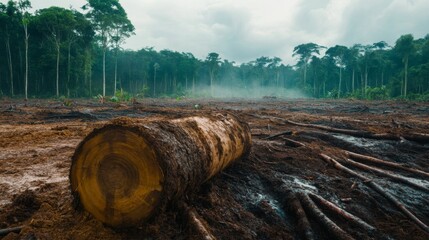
(248, 200)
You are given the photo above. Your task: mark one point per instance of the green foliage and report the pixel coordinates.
(419, 97)
(143, 91)
(377, 93)
(114, 99)
(123, 96)
(62, 48)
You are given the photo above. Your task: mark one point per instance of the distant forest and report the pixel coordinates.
(58, 52)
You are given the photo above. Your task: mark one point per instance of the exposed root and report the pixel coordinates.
(303, 225)
(386, 163)
(6, 231)
(196, 224)
(278, 135)
(293, 143)
(379, 189)
(385, 173)
(337, 210)
(332, 228)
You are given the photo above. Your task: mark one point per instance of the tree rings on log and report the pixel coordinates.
(128, 170)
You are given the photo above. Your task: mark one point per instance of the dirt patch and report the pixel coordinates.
(258, 197)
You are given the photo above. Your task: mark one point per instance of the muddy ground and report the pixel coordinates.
(252, 199)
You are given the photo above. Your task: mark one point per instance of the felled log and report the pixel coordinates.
(346, 215)
(197, 225)
(355, 133)
(332, 228)
(127, 171)
(6, 231)
(378, 189)
(382, 172)
(400, 166)
(303, 225)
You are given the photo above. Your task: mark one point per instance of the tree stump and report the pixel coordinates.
(127, 171)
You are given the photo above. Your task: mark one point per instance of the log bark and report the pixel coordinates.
(412, 136)
(400, 166)
(127, 171)
(277, 135)
(303, 224)
(355, 133)
(6, 231)
(346, 215)
(332, 228)
(197, 225)
(380, 190)
(391, 175)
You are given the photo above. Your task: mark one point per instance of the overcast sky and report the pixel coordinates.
(243, 30)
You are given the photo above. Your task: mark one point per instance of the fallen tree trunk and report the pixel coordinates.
(355, 133)
(346, 215)
(332, 228)
(128, 170)
(391, 175)
(6, 231)
(400, 166)
(378, 189)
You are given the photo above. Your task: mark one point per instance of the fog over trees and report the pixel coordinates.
(76, 53)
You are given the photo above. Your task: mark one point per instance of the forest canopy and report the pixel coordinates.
(58, 52)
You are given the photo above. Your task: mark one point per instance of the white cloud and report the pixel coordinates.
(243, 30)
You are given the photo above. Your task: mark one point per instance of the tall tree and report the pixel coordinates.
(305, 51)
(23, 6)
(155, 69)
(9, 22)
(122, 28)
(57, 24)
(108, 17)
(212, 61)
(405, 47)
(338, 53)
(351, 59)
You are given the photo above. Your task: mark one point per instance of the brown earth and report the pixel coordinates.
(254, 198)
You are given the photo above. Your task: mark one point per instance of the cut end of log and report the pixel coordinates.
(117, 176)
(127, 171)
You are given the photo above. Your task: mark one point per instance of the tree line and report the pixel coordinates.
(71, 53)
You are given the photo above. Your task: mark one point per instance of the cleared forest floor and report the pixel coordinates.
(283, 190)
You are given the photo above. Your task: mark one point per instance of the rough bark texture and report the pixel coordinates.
(126, 171)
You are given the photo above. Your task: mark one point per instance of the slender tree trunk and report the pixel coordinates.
(406, 76)
(174, 84)
(305, 73)
(58, 69)
(90, 80)
(104, 72)
(165, 83)
(9, 61)
(211, 83)
(324, 88)
(193, 85)
(366, 78)
(339, 84)
(26, 60)
(314, 85)
(353, 80)
(68, 67)
(116, 71)
(154, 83)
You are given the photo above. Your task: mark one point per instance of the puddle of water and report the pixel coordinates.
(303, 184)
(380, 145)
(274, 204)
